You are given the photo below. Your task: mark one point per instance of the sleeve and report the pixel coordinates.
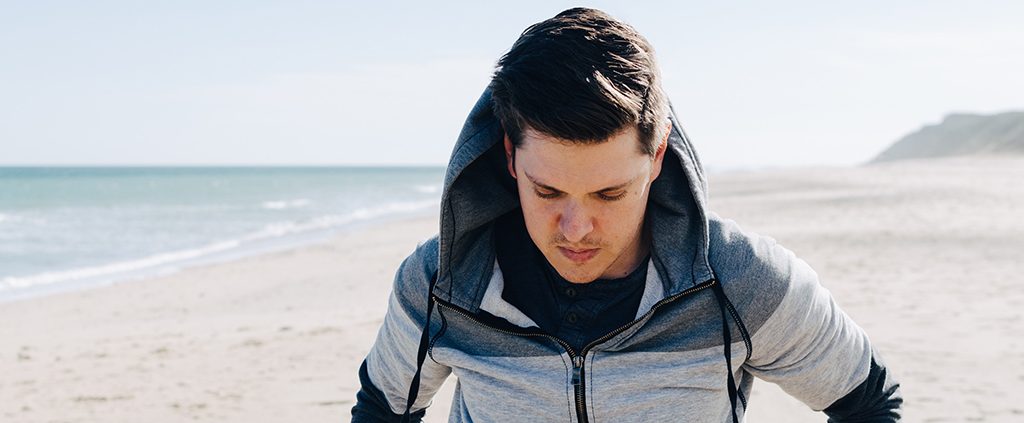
(817, 354)
(391, 363)
(877, 399)
(372, 405)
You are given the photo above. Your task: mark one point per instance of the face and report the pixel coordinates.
(584, 204)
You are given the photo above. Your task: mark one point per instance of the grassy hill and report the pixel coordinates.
(961, 134)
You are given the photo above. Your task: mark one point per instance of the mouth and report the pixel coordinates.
(578, 256)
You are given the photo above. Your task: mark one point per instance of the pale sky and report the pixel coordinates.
(755, 84)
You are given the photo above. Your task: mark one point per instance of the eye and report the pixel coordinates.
(548, 195)
(614, 197)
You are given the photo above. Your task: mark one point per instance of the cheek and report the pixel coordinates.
(540, 215)
(619, 220)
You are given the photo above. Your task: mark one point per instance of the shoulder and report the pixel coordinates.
(736, 254)
(412, 280)
(756, 272)
(426, 253)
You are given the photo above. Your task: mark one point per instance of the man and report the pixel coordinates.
(578, 275)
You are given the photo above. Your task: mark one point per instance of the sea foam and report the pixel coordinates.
(173, 258)
(285, 204)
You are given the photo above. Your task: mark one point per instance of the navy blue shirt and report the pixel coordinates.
(577, 313)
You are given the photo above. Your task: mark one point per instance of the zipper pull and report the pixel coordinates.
(577, 367)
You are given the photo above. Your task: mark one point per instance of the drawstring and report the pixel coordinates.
(425, 342)
(727, 335)
(421, 354)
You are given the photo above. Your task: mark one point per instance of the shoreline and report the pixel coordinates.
(279, 331)
(191, 258)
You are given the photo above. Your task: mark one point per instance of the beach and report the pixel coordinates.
(926, 256)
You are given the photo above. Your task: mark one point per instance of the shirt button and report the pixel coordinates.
(571, 317)
(570, 292)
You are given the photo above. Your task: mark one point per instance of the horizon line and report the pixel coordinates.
(129, 165)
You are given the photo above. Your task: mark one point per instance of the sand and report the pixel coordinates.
(926, 256)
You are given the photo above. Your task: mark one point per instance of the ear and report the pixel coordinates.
(659, 155)
(510, 152)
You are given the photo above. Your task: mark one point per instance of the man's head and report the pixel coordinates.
(579, 97)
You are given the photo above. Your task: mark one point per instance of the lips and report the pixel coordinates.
(578, 256)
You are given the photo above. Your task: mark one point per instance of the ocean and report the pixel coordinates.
(69, 228)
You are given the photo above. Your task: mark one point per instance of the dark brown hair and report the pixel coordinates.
(581, 76)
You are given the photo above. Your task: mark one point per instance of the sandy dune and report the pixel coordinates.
(927, 257)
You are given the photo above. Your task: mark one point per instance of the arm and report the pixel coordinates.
(372, 404)
(877, 399)
(386, 373)
(816, 353)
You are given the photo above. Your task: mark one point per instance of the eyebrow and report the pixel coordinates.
(551, 188)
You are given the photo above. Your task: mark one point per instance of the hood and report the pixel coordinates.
(478, 189)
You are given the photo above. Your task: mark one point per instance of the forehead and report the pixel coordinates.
(580, 167)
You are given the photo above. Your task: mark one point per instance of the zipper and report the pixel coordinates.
(577, 385)
(578, 360)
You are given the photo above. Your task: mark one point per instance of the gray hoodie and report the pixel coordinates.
(720, 307)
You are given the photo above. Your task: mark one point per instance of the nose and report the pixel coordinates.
(575, 223)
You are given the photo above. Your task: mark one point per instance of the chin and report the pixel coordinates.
(576, 274)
